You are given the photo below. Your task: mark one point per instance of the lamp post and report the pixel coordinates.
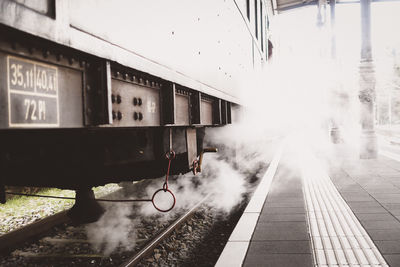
(368, 144)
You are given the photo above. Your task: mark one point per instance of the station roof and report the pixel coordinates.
(280, 6)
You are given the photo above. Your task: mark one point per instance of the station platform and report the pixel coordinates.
(312, 212)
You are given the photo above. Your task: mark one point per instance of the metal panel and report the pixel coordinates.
(35, 94)
(206, 112)
(168, 103)
(191, 145)
(182, 109)
(195, 108)
(217, 112)
(135, 104)
(223, 112)
(228, 112)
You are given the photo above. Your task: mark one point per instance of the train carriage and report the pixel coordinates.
(93, 92)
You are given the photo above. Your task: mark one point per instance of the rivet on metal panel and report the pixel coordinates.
(59, 57)
(46, 53)
(119, 115)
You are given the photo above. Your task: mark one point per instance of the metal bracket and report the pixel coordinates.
(197, 164)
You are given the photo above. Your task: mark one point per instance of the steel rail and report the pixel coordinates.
(162, 236)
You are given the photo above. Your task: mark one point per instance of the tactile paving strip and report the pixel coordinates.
(338, 238)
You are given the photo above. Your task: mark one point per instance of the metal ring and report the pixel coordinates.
(164, 190)
(170, 155)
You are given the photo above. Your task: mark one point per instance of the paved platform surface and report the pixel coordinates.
(372, 190)
(340, 214)
(281, 236)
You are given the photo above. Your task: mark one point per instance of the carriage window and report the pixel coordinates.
(256, 17)
(248, 9)
(261, 26)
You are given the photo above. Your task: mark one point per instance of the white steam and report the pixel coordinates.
(302, 93)
(114, 229)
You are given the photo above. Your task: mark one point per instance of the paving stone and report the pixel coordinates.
(353, 204)
(361, 198)
(265, 233)
(381, 225)
(388, 235)
(298, 226)
(285, 199)
(388, 247)
(281, 210)
(389, 200)
(282, 260)
(395, 212)
(374, 217)
(357, 210)
(351, 188)
(391, 206)
(387, 195)
(298, 217)
(299, 204)
(279, 247)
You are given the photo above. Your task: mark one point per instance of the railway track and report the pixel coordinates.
(65, 244)
(70, 244)
(149, 247)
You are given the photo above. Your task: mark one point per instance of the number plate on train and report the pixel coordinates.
(32, 93)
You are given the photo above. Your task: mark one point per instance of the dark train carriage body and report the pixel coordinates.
(93, 92)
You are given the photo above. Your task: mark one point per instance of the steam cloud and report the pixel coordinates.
(302, 94)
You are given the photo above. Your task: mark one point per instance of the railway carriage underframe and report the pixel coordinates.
(73, 120)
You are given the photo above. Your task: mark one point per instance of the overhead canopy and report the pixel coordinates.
(280, 6)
